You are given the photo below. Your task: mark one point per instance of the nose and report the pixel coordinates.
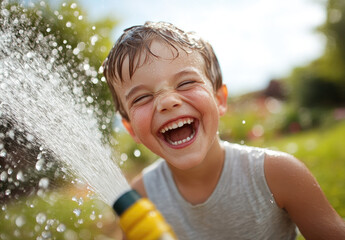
(168, 102)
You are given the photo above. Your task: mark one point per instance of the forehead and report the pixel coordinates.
(161, 54)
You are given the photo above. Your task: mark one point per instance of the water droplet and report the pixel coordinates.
(29, 137)
(77, 212)
(41, 218)
(44, 183)
(94, 80)
(94, 39)
(89, 99)
(8, 192)
(73, 5)
(39, 164)
(20, 221)
(243, 121)
(11, 134)
(46, 235)
(92, 216)
(137, 153)
(20, 176)
(68, 24)
(86, 67)
(61, 228)
(29, 55)
(76, 51)
(3, 176)
(81, 46)
(5, 12)
(76, 13)
(55, 52)
(3, 153)
(124, 157)
(99, 224)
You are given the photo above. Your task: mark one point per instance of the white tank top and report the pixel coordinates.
(240, 207)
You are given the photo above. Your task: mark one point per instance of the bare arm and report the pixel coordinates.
(297, 191)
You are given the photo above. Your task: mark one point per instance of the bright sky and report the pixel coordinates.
(255, 40)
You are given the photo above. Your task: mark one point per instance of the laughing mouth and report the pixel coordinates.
(179, 132)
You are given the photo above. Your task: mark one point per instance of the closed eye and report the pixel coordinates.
(141, 99)
(186, 84)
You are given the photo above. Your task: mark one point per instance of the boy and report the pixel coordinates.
(167, 86)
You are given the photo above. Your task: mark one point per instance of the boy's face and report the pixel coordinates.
(172, 107)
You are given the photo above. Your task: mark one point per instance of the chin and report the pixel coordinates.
(185, 164)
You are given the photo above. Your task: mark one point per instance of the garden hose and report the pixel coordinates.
(140, 220)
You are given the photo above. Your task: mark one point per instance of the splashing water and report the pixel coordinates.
(38, 97)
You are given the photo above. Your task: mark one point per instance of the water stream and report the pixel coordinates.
(38, 100)
(44, 117)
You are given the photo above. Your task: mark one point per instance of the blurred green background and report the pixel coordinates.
(302, 113)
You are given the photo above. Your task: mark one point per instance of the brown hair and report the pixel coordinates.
(137, 39)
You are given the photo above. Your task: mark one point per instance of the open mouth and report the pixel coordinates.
(181, 131)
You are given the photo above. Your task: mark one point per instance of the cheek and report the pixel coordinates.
(141, 119)
(200, 95)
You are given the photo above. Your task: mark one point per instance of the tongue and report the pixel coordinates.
(179, 133)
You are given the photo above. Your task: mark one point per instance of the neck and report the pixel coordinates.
(198, 183)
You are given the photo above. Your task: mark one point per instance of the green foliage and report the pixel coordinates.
(75, 42)
(56, 216)
(250, 117)
(132, 156)
(321, 84)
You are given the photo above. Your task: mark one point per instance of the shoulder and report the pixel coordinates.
(138, 184)
(296, 191)
(148, 173)
(284, 175)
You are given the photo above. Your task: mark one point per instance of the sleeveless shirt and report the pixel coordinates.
(240, 207)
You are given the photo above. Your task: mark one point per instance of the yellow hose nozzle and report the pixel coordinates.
(140, 220)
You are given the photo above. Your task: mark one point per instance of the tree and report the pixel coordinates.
(321, 83)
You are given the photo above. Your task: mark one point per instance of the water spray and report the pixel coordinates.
(36, 96)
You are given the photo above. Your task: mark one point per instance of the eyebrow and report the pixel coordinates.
(187, 71)
(134, 90)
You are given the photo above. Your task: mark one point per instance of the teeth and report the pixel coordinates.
(177, 124)
(183, 140)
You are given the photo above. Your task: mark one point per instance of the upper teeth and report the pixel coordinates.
(177, 124)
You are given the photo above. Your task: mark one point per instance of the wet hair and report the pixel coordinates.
(137, 39)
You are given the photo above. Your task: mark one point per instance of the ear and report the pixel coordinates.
(130, 130)
(222, 99)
